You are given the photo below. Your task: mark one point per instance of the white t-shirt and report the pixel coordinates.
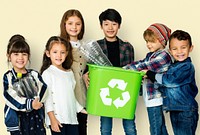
(153, 102)
(61, 99)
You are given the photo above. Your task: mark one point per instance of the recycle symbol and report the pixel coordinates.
(105, 93)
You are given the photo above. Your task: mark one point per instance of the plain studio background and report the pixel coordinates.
(38, 20)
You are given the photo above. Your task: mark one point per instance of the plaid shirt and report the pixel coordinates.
(126, 51)
(158, 62)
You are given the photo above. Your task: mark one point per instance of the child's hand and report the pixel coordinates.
(145, 71)
(36, 104)
(55, 125)
(128, 66)
(84, 111)
(86, 79)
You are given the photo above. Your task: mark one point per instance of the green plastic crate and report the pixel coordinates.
(113, 91)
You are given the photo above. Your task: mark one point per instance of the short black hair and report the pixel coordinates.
(181, 35)
(110, 14)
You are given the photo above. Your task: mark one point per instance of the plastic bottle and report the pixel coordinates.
(17, 86)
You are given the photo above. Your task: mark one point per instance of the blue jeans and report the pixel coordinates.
(156, 121)
(184, 122)
(106, 126)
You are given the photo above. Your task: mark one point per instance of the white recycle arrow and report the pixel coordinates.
(120, 103)
(103, 94)
(120, 84)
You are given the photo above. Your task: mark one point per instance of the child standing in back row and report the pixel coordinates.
(119, 53)
(72, 29)
(61, 105)
(23, 109)
(157, 60)
(179, 86)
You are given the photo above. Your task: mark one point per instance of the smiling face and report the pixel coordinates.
(57, 54)
(19, 61)
(180, 49)
(110, 29)
(73, 27)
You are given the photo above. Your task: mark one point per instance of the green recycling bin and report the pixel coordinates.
(113, 91)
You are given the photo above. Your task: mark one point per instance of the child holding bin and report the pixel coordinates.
(157, 60)
(178, 85)
(119, 53)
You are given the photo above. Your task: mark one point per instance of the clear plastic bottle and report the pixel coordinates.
(93, 53)
(31, 86)
(17, 86)
(26, 86)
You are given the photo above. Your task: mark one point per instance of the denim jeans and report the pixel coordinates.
(184, 122)
(156, 121)
(106, 126)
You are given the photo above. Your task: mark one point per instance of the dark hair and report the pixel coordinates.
(17, 44)
(67, 14)
(181, 35)
(110, 14)
(46, 62)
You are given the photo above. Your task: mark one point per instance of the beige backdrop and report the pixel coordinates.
(37, 20)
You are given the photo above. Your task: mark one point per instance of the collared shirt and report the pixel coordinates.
(78, 67)
(179, 87)
(126, 51)
(158, 62)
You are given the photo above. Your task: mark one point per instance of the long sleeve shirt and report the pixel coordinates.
(15, 102)
(158, 62)
(61, 100)
(179, 87)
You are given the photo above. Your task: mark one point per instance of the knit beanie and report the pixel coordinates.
(162, 31)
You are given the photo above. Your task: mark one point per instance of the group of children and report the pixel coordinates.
(169, 83)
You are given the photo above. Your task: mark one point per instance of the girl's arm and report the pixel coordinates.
(80, 108)
(42, 87)
(12, 99)
(55, 124)
(86, 79)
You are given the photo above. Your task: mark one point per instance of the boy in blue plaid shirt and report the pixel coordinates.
(157, 60)
(178, 85)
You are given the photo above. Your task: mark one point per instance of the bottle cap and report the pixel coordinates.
(19, 75)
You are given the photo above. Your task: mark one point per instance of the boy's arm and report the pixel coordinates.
(174, 77)
(158, 64)
(177, 76)
(136, 65)
(151, 75)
